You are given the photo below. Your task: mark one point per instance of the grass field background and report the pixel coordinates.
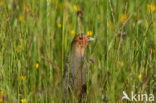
(32, 32)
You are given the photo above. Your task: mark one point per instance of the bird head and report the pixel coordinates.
(80, 42)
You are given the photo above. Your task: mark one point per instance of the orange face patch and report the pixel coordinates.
(82, 40)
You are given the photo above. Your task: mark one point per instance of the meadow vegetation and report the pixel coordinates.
(35, 39)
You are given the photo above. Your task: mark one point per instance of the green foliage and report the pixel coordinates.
(35, 31)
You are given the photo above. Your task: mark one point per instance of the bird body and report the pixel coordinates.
(76, 69)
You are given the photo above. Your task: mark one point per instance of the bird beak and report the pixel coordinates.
(90, 39)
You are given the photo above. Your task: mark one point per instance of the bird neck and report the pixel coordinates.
(76, 59)
(78, 51)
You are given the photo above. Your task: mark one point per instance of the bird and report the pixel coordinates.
(76, 69)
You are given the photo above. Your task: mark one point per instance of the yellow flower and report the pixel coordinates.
(72, 32)
(1, 93)
(140, 76)
(151, 7)
(121, 63)
(1, 96)
(23, 100)
(76, 8)
(22, 78)
(37, 66)
(59, 25)
(20, 18)
(19, 48)
(90, 33)
(1, 99)
(123, 18)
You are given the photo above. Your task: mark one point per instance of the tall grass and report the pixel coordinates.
(37, 33)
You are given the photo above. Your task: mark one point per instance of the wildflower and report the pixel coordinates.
(92, 59)
(37, 66)
(123, 18)
(22, 78)
(76, 8)
(151, 7)
(1, 93)
(140, 76)
(23, 100)
(20, 18)
(121, 63)
(72, 32)
(1, 96)
(59, 25)
(19, 48)
(1, 99)
(90, 33)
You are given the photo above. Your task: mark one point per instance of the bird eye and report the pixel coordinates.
(80, 38)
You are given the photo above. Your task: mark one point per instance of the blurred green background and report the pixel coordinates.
(35, 31)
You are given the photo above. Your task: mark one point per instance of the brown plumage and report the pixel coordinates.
(76, 69)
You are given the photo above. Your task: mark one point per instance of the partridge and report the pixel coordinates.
(76, 69)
